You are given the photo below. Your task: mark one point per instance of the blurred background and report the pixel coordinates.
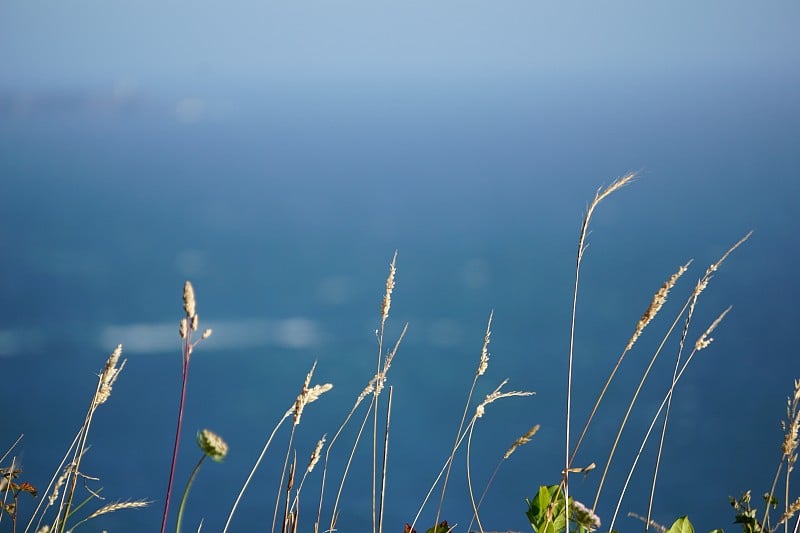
(277, 154)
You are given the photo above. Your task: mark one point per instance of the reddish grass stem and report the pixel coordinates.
(187, 350)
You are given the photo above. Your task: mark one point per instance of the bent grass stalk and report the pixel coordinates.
(521, 441)
(307, 396)
(681, 345)
(483, 364)
(702, 342)
(599, 197)
(701, 285)
(655, 306)
(479, 412)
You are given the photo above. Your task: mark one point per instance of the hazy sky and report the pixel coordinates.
(175, 43)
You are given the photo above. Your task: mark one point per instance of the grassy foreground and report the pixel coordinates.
(68, 502)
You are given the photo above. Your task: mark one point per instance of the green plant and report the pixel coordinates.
(212, 447)
(549, 512)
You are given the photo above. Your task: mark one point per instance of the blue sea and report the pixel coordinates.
(284, 205)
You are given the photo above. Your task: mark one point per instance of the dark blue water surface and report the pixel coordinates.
(284, 206)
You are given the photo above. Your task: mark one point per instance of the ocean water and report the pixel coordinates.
(285, 205)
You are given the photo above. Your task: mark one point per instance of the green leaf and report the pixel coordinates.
(441, 528)
(681, 525)
(537, 508)
(547, 511)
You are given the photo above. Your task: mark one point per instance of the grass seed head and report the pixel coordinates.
(188, 299)
(483, 364)
(387, 297)
(658, 301)
(212, 445)
(704, 339)
(523, 440)
(109, 375)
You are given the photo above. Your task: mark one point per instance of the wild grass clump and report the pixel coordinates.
(551, 507)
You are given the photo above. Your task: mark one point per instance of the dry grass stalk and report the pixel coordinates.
(312, 462)
(496, 395)
(523, 440)
(483, 365)
(105, 380)
(335, 513)
(118, 506)
(385, 459)
(387, 297)
(659, 299)
(704, 340)
(703, 282)
(109, 376)
(315, 455)
(690, 305)
(378, 380)
(300, 402)
(715, 266)
(601, 195)
(385, 306)
(11, 448)
(479, 412)
(701, 344)
(655, 418)
(791, 510)
(791, 426)
(792, 422)
(59, 483)
(255, 467)
(307, 395)
(650, 523)
(63, 470)
(289, 485)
